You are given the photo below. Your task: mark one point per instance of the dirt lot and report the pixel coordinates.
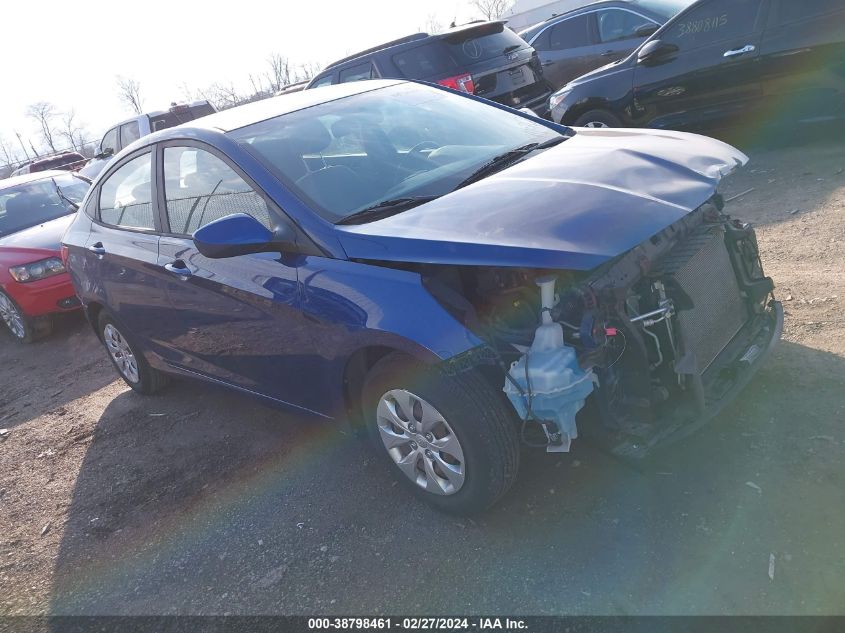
(201, 501)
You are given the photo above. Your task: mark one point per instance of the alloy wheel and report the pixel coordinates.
(121, 353)
(12, 317)
(421, 442)
(596, 124)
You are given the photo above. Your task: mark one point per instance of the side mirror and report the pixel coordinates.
(656, 52)
(241, 234)
(109, 151)
(645, 30)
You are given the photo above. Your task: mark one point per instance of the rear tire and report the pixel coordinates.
(456, 446)
(124, 355)
(22, 328)
(598, 119)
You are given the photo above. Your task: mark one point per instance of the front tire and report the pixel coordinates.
(22, 328)
(598, 119)
(129, 363)
(448, 438)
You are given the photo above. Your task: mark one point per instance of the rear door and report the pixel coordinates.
(802, 61)
(713, 80)
(122, 247)
(568, 49)
(236, 320)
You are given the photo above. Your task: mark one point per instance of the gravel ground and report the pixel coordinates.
(201, 501)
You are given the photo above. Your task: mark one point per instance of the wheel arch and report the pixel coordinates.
(358, 366)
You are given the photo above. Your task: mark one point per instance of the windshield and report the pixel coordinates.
(666, 8)
(407, 140)
(33, 203)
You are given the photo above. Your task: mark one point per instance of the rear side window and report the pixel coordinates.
(200, 188)
(792, 11)
(129, 132)
(571, 33)
(425, 61)
(483, 42)
(714, 22)
(126, 195)
(357, 73)
(616, 24)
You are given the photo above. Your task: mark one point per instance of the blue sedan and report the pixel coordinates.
(452, 276)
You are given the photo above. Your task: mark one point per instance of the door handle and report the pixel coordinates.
(97, 249)
(748, 48)
(178, 268)
(548, 63)
(608, 53)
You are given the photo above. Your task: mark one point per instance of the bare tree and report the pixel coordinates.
(432, 25)
(492, 9)
(71, 131)
(23, 147)
(306, 71)
(44, 113)
(129, 92)
(223, 96)
(280, 73)
(8, 155)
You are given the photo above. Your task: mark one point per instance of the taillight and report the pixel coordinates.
(65, 254)
(459, 82)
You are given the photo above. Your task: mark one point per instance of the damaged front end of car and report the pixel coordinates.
(644, 349)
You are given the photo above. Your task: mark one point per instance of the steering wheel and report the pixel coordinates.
(419, 147)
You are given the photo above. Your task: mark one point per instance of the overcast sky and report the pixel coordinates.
(68, 53)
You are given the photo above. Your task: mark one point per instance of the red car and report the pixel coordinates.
(35, 210)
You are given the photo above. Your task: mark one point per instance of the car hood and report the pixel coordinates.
(574, 206)
(41, 236)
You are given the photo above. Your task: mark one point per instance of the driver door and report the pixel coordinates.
(235, 320)
(713, 80)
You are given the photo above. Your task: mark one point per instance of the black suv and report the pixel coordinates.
(486, 59)
(722, 64)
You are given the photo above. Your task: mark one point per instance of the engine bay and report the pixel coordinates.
(648, 327)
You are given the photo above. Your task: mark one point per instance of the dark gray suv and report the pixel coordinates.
(483, 58)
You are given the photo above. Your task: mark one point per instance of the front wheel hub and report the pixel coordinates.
(421, 442)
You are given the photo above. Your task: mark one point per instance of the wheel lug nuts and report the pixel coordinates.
(429, 454)
(429, 437)
(412, 428)
(413, 446)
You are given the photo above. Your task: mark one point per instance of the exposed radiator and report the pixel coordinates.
(702, 267)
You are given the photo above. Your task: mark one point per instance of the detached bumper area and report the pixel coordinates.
(720, 384)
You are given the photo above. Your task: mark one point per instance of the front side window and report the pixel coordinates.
(356, 73)
(617, 24)
(571, 33)
(200, 188)
(129, 133)
(109, 141)
(126, 195)
(401, 141)
(33, 203)
(791, 11)
(714, 22)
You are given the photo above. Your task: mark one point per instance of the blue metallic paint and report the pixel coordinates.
(285, 326)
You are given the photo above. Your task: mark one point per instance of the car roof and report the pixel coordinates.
(250, 113)
(25, 178)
